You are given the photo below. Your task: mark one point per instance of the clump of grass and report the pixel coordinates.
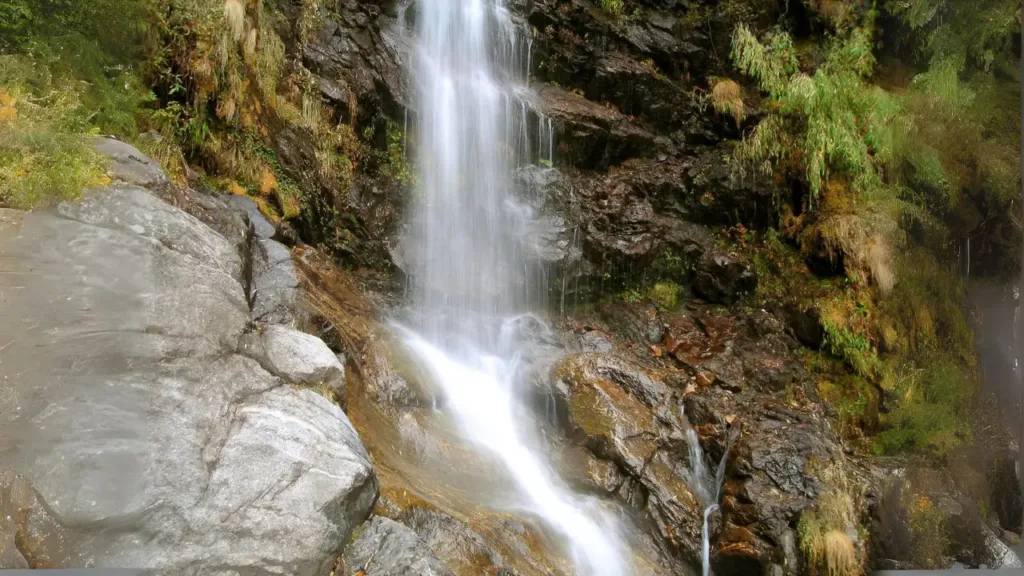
(727, 98)
(823, 529)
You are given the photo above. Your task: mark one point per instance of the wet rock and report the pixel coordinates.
(30, 537)
(135, 418)
(595, 341)
(611, 422)
(611, 410)
(638, 321)
(386, 548)
(593, 135)
(455, 543)
(723, 279)
(129, 165)
(998, 555)
(261, 227)
(297, 357)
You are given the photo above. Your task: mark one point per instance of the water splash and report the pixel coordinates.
(480, 389)
(474, 122)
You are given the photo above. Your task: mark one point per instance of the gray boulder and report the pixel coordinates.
(129, 165)
(383, 547)
(261, 227)
(297, 357)
(129, 409)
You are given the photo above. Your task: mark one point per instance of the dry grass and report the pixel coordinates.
(864, 239)
(268, 61)
(234, 16)
(727, 98)
(840, 554)
(824, 528)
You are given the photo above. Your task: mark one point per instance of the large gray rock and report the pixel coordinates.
(297, 357)
(383, 547)
(128, 408)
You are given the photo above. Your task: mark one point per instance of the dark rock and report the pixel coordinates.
(384, 547)
(805, 323)
(722, 279)
(589, 134)
(639, 321)
(359, 57)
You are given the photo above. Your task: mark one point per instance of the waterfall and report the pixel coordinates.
(705, 487)
(470, 280)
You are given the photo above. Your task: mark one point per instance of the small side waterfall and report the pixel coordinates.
(469, 276)
(705, 487)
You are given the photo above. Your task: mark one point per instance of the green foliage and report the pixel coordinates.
(833, 122)
(45, 156)
(612, 7)
(632, 296)
(931, 413)
(853, 348)
(956, 31)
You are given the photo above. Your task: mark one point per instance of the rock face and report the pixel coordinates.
(132, 408)
(725, 371)
(387, 548)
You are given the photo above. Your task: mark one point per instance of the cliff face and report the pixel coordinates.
(673, 291)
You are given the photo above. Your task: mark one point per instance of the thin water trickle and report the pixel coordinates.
(471, 280)
(705, 487)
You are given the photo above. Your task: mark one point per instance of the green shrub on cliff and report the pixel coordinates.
(64, 78)
(891, 174)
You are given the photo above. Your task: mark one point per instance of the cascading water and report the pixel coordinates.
(705, 487)
(470, 279)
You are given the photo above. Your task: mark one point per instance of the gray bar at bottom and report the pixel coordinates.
(75, 572)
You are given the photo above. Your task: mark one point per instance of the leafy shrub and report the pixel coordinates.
(45, 156)
(930, 412)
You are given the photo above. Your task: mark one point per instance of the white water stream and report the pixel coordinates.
(470, 71)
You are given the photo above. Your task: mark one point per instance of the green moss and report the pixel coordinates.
(853, 348)
(665, 295)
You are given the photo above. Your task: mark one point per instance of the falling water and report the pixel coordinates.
(705, 487)
(470, 276)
